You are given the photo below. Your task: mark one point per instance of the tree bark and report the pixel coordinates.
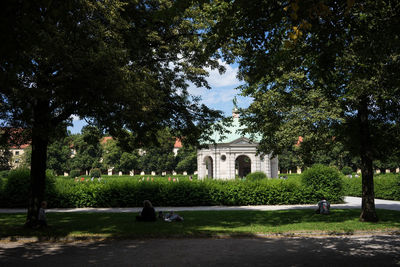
(40, 139)
(368, 213)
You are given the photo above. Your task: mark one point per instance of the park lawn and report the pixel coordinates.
(198, 224)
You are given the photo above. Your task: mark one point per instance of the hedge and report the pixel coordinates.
(386, 186)
(15, 191)
(130, 192)
(256, 176)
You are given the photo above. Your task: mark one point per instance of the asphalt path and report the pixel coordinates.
(350, 203)
(380, 250)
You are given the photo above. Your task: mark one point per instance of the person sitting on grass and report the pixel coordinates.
(323, 206)
(172, 217)
(42, 221)
(148, 213)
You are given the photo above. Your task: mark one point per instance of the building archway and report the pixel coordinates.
(243, 166)
(208, 161)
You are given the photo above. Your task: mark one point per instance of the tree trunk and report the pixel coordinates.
(368, 213)
(40, 138)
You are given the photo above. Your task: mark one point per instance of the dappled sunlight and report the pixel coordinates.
(196, 224)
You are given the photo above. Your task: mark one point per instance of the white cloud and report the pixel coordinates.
(222, 90)
(228, 78)
(75, 118)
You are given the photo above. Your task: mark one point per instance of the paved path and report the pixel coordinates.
(380, 250)
(350, 203)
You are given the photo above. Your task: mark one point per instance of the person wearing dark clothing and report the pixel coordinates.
(323, 206)
(148, 213)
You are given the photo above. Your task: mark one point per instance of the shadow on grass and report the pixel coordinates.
(196, 224)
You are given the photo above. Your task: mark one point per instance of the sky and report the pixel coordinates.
(219, 97)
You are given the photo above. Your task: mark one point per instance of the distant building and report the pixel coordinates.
(17, 153)
(233, 155)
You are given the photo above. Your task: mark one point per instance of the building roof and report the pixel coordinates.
(178, 143)
(233, 133)
(105, 139)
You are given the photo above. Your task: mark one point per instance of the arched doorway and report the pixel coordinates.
(208, 161)
(243, 166)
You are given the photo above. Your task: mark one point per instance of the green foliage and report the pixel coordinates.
(346, 170)
(256, 176)
(159, 156)
(88, 149)
(4, 174)
(323, 181)
(186, 159)
(131, 191)
(74, 173)
(59, 156)
(387, 186)
(96, 173)
(16, 188)
(128, 162)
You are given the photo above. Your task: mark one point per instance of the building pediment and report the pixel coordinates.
(242, 141)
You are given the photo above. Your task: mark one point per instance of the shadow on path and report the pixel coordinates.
(332, 251)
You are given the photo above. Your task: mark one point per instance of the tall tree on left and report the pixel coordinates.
(120, 64)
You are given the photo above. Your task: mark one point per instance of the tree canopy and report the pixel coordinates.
(323, 70)
(119, 64)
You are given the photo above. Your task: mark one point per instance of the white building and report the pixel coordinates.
(235, 155)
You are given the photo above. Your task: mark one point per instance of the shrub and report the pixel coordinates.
(96, 173)
(386, 186)
(16, 188)
(4, 174)
(346, 170)
(256, 176)
(130, 192)
(74, 173)
(324, 181)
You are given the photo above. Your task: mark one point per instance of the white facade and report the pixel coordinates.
(236, 158)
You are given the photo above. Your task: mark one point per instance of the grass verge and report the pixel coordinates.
(197, 224)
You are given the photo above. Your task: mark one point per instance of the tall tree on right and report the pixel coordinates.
(323, 70)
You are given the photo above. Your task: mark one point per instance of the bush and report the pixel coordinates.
(16, 188)
(324, 181)
(130, 192)
(256, 176)
(74, 173)
(4, 174)
(96, 173)
(346, 170)
(386, 186)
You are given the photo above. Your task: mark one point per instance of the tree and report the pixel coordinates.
(120, 64)
(128, 162)
(59, 151)
(88, 149)
(322, 70)
(186, 159)
(5, 153)
(59, 156)
(159, 156)
(111, 154)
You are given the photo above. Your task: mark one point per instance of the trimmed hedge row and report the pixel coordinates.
(386, 186)
(130, 192)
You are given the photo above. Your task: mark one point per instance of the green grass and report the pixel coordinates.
(198, 224)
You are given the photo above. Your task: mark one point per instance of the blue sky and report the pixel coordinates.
(219, 97)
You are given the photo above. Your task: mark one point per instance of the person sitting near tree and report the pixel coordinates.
(148, 213)
(323, 206)
(42, 221)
